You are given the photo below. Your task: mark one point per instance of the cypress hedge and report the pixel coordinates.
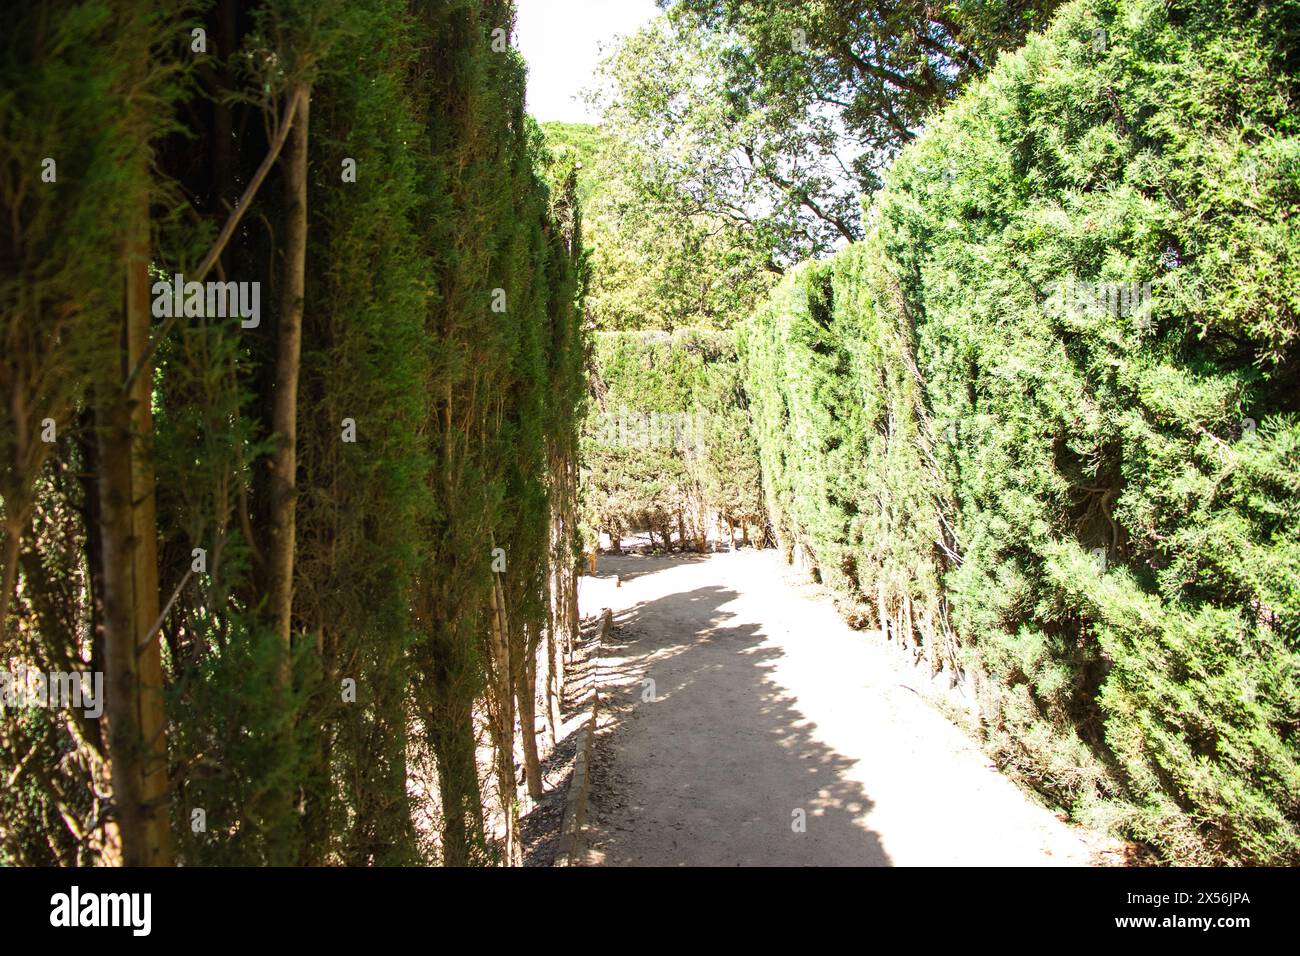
(422, 311)
(668, 442)
(1041, 425)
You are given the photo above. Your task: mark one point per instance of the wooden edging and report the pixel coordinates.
(573, 846)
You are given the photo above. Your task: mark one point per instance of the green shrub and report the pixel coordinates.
(668, 440)
(1086, 484)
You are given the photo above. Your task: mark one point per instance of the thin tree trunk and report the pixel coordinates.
(909, 622)
(502, 715)
(552, 703)
(928, 636)
(8, 569)
(87, 442)
(526, 692)
(450, 729)
(128, 532)
(573, 630)
(554, 684)
(882, 609)
(144, 529)
(557, 651)
(284, 413)
(558, 609)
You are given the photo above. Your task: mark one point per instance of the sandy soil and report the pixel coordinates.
(767, 709)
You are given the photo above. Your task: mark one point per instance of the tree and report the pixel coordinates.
(1041, 424)
(669, 443)
(314, 493)
(859, 75)
(739, 137)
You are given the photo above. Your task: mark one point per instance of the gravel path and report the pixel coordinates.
(767, 712)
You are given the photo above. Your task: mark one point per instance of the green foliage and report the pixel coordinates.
(668, 442)
(466, 418)
(77, 112)
(363, 503)
(737, 137)
(656, 262)
(579, 145)
(1007, 441)
(504, 389)
(665, 254)
(814, 78)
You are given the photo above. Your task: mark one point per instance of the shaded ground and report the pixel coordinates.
(775, 734)
(539, 825)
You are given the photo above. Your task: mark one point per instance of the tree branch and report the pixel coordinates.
(236, 214)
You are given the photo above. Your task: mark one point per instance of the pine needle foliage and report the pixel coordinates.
(668, 436)
(1043, 420)
(431, 426)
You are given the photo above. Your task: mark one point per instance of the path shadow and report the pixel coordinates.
(630, 566)
(711, 768)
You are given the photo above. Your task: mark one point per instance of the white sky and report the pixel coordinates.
(562, 41)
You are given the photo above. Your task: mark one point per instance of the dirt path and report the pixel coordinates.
(766, 708)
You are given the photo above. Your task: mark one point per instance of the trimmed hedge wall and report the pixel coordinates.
(439, 386)
(668, 436)
(1043, 420)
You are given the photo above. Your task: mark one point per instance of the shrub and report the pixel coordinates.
(1044, 417)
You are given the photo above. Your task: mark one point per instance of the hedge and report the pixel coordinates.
(1042, 423)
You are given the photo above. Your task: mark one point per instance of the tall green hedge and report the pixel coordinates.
(436, 418)
(668, 435)
(1043, 420)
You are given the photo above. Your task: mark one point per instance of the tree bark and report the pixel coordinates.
(502, 716)
(551, 699)
(284, 413)
(128, 532)
(9, 568)
(526, 692)
(554, 629)
(554, 681)
(929, 637)
(882, 609)
(573, 629)
(909, 625)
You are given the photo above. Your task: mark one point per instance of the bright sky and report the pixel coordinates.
(562, 41)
